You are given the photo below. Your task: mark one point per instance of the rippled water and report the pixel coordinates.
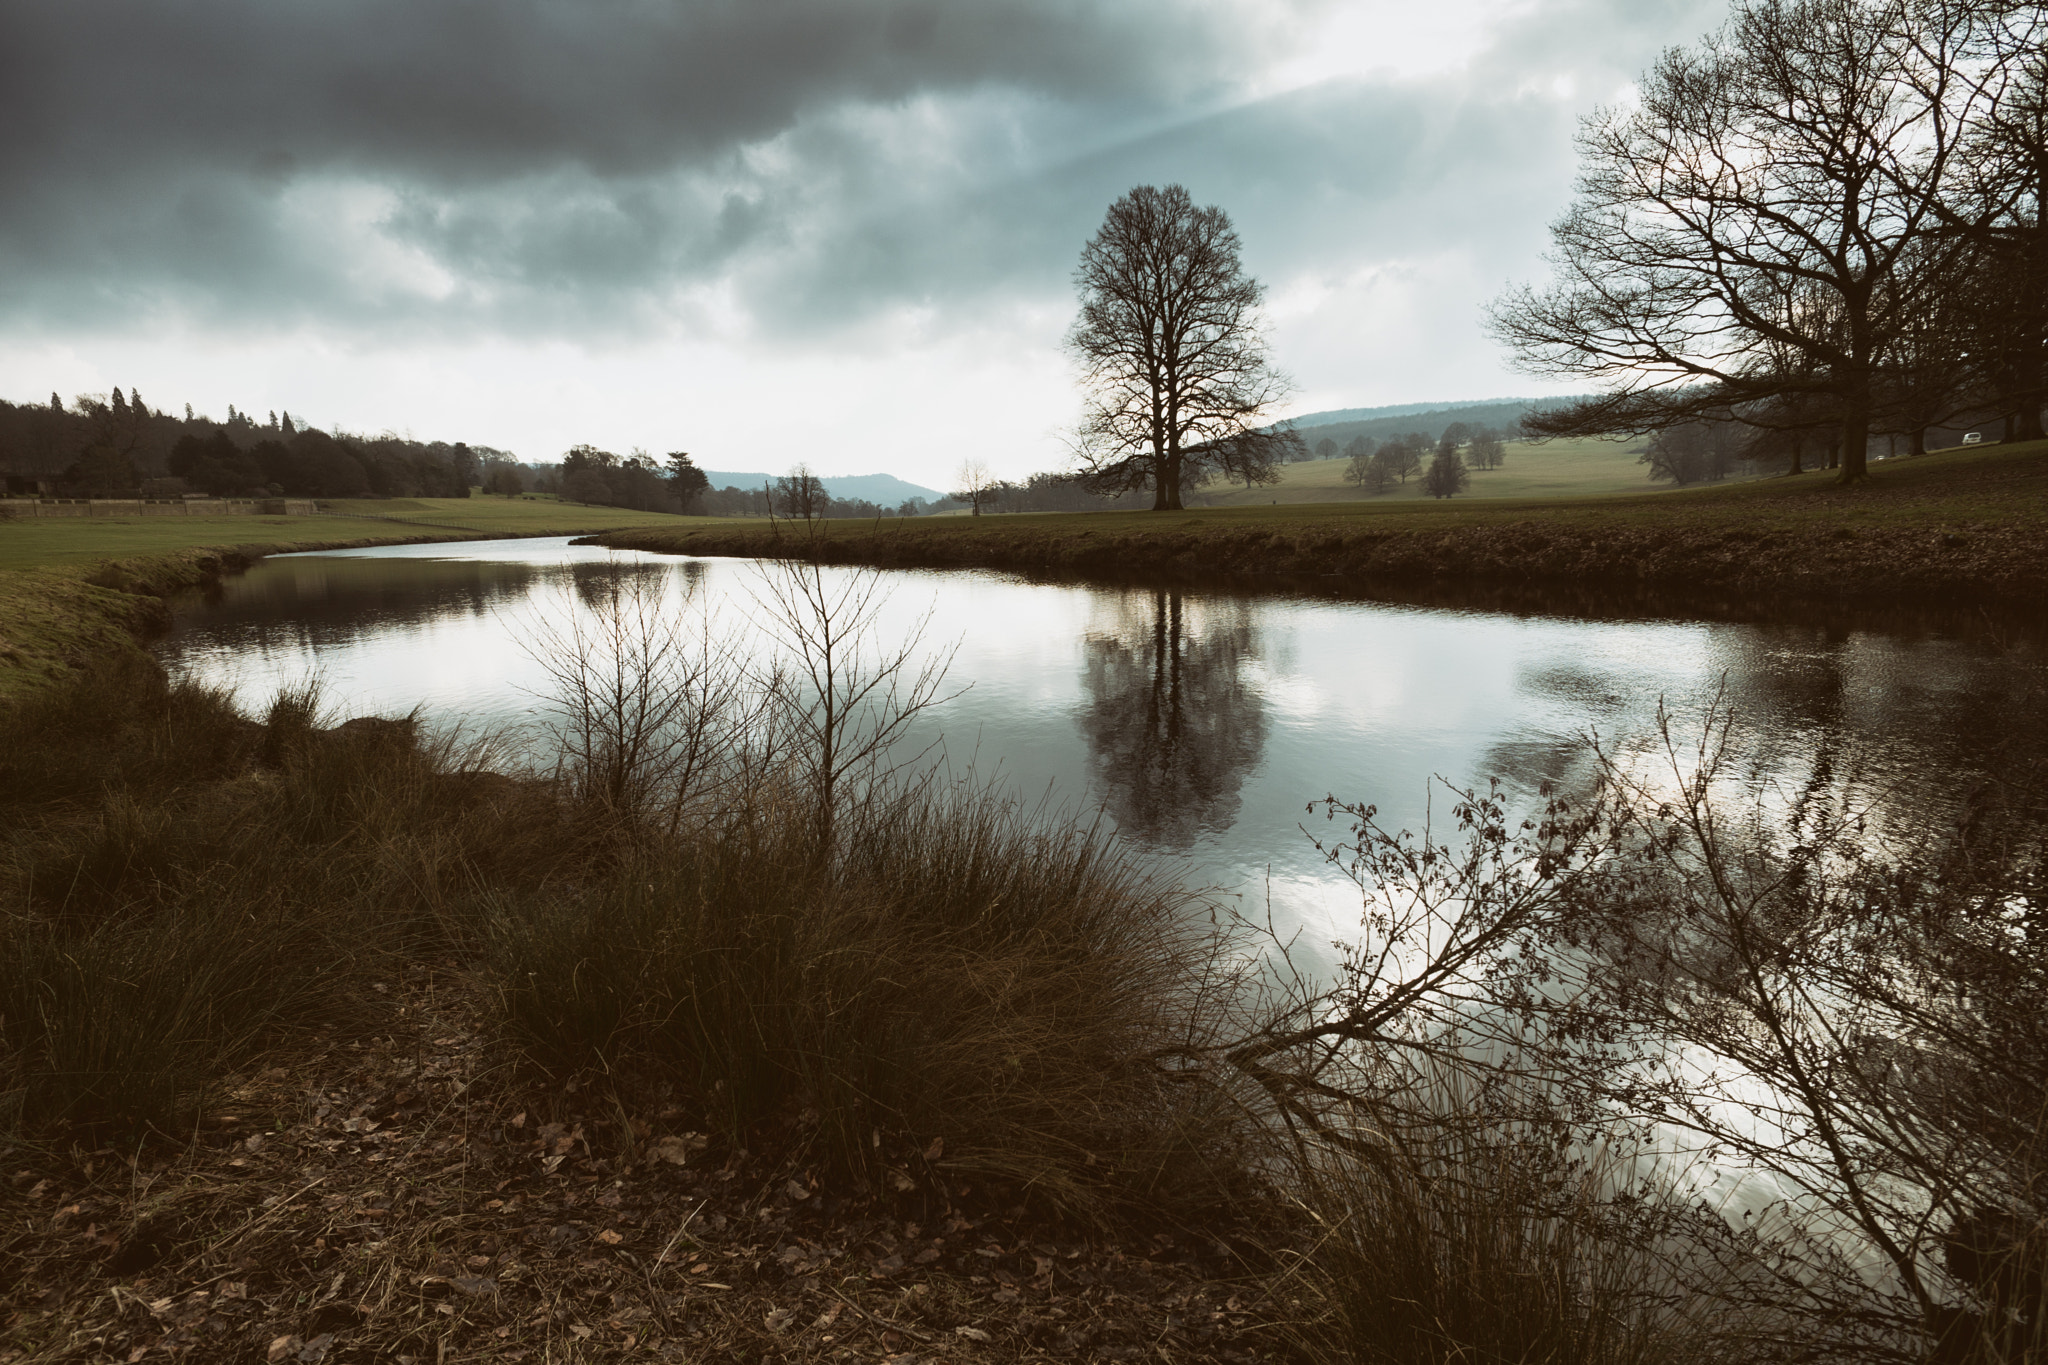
(1201, 723)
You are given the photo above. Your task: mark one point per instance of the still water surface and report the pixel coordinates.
(1200, 723)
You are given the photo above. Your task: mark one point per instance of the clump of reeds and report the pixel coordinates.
(946, 968)
(1447, 1234)
(185, 887)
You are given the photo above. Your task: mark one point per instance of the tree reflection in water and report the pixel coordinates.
(1174, 723)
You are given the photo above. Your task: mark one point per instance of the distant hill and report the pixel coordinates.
(884, 489)
(1342, 424)
(1323, 419)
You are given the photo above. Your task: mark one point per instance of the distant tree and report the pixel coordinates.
(504, 480)
(1326, 449)
(687, 483)
(974, 484)
(1171, 349)
(586, 485)
(1368, 472)
(468, 468)
(286, 426)
(1486, 450)
(56, 403)
(328, 468)
(214, 464)
(1457, 433)
(1381, 473)
(1692, 452)
(911, 507)
(799, 493)
(1408, 454)
(103, 472)
(1446, 475)
(1360, 445)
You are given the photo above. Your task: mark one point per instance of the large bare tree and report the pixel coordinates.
(1765, 223)
(2000, 207)
(1172, 352)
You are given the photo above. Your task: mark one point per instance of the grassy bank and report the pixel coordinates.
(1965, 526)
(78, 589)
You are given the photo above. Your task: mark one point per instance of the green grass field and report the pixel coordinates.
(56, 542)
(1555, 469)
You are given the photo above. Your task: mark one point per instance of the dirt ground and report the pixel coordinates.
(410, 1198)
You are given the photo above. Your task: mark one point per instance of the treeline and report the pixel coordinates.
(675, 484)
(1823, 226)
(118, 446)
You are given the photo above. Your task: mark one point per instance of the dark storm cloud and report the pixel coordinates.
(594, 166)
(178, 149)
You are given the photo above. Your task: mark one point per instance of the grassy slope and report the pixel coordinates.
(74, 588)
(1556, 469)
(1965, 524)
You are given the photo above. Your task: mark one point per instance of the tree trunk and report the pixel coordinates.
(1919, 441)
(1798, 453)
(1855, 439)
(1169, 484)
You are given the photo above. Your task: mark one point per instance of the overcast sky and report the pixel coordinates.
(761, 230)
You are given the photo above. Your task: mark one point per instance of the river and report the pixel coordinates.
(1201, 723)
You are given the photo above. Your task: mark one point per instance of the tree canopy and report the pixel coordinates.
(1172, 354)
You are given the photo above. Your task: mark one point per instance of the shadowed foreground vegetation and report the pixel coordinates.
(720, 1040)
(1963, 526)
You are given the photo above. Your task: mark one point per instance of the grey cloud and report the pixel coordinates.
(562, 166)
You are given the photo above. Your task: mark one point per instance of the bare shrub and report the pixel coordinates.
(652, 713)
(1853, 1023)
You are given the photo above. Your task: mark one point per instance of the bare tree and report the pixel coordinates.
(842, 695)
(1773, 194)
(1486, 450)
(1369, 473)
(650, 713)
(800, 494)
(1171, 352)
(977, 485)
(2001, 208)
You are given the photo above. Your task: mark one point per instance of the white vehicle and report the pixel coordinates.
(1973, 438)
